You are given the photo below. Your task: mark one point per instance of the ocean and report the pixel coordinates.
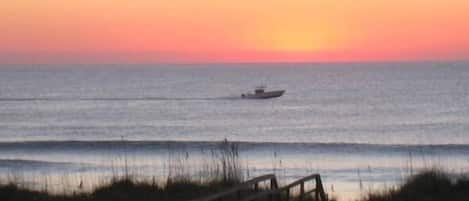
(362, 126)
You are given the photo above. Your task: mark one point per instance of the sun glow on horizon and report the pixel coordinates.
(106, 31)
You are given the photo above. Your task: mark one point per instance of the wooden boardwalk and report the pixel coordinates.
(251, 190)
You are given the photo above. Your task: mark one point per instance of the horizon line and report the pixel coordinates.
(256, 62)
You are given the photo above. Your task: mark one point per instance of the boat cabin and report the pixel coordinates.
(259, 90)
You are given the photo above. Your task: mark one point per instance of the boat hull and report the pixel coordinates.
(264, 95)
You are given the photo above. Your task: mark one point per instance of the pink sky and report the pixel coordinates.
(185, 31)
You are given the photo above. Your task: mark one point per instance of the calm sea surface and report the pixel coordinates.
(361, 126)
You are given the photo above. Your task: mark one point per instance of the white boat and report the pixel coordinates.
(260, 93)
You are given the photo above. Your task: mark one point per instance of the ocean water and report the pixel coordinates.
(361, 126)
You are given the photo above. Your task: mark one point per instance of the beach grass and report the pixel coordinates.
(221, 172)
(429, 185)
(120, 190)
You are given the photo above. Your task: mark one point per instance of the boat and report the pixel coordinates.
(261, 93)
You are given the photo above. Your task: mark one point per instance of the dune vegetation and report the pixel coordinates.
(225, 172)
(429, 185)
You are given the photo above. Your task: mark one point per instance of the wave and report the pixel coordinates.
(29, 163)
(242, 145)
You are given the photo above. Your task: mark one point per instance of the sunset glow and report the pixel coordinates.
(153, 31)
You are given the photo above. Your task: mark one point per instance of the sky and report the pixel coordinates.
(207, 31)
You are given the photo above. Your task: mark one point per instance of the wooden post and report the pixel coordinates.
(316, 192)
(273, 184)
(288, 194)
(302, 190)
(320, 189)
(271, 187)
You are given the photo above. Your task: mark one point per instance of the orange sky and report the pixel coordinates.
(175, 31)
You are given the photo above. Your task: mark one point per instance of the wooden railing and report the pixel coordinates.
(286, 191)
(274, 193)
(237, 191)
(318, 191)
